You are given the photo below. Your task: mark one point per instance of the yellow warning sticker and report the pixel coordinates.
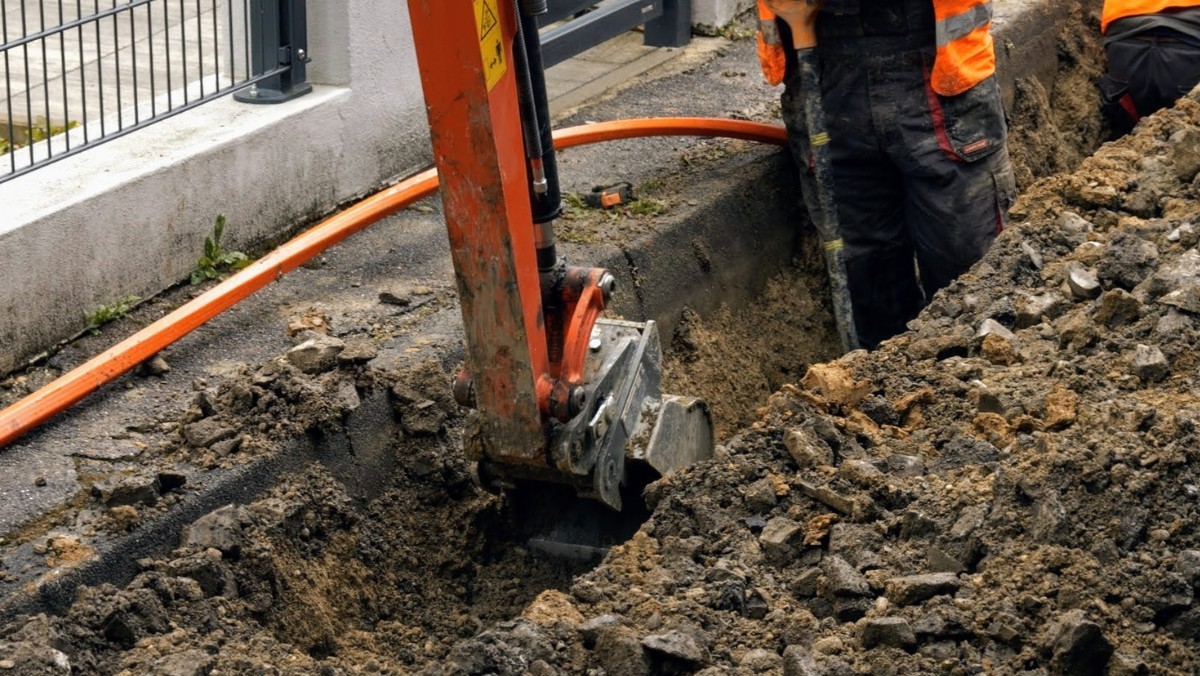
(491, 44)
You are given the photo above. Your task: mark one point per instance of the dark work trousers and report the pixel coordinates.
(1147, 72)
(923, 182)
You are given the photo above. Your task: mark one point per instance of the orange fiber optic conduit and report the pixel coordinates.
(81, 381)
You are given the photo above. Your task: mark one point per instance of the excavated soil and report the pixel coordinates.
(1010, 487)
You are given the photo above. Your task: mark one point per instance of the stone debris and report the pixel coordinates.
(317, 354)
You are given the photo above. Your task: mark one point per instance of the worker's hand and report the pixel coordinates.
(801, 17)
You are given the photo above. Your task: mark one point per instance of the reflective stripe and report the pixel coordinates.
(963, 24)
(769, 30)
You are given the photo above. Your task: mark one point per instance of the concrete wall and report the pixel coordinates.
(710, 16)
(130, 217)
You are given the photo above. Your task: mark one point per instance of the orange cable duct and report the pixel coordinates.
(71, 387)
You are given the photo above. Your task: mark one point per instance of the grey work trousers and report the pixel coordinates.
(923, 182)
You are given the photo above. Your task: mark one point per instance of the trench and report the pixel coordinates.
(392, 582)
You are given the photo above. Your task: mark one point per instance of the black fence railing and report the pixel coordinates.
(77, 73)
(574, 26)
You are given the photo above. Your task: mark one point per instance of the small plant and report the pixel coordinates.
(216, 262)
(110, 313)
(647, 207)
(574, 200)
(36, 133)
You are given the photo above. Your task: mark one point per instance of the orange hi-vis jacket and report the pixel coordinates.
(965, 56)
(1119, 9)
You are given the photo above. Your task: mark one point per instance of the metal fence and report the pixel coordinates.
(573, 26)
(77, 73)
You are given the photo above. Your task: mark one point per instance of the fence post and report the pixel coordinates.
(278, 38)
(673, 28)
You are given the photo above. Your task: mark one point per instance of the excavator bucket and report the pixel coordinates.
(627, 427)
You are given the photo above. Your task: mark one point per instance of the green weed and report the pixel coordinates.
(110, 313)
(216, 262)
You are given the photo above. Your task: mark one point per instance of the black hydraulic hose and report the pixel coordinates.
(547, 205)
(822, 205)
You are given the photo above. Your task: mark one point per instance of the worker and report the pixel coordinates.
(1153, 56)
(917, 142)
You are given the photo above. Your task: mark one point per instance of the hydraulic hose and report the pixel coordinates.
(73, 386)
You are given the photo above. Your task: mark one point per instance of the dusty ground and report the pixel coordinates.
(1010, 487)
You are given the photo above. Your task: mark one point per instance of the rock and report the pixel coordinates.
(1074, 223)
(855, 508)
(941, 562)
(999, 351)
(761, 661)
(1050, 522)
(1076, 330)
(780, 539)
(991, 327)
(841, 579)
(169, 481)
(970, 519)
(1032, 309)
(1185, 154)
(1185, 234)
(227, 447)
(591, 629)
(942, 623)
(1186, 626)
(859, 472)
(1172, 324)
(1150, 364)
(357, 352)
(512, 647)
(1187, 564)
(1117, 308)
(1083, 284)
(187, 663)
(1186, 297)
(422, 418)
(317, 354)
(760, 496)
(154, 366)
(1033, 256)
(1126, 665)
(134, 614)
(1062, 408)
(798, 662)
(141, 488)
(1128, 259)
(829, 645)
(220, 529)
(619, 652)
(676, 646)
(204, 433)
(912, 589)
(1077, 646)
(906, 465)
(1171, 595)
(892, 632)
(398, 297)
(806, 449)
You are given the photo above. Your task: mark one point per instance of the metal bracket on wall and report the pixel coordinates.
(278, 40)
(668, 24)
